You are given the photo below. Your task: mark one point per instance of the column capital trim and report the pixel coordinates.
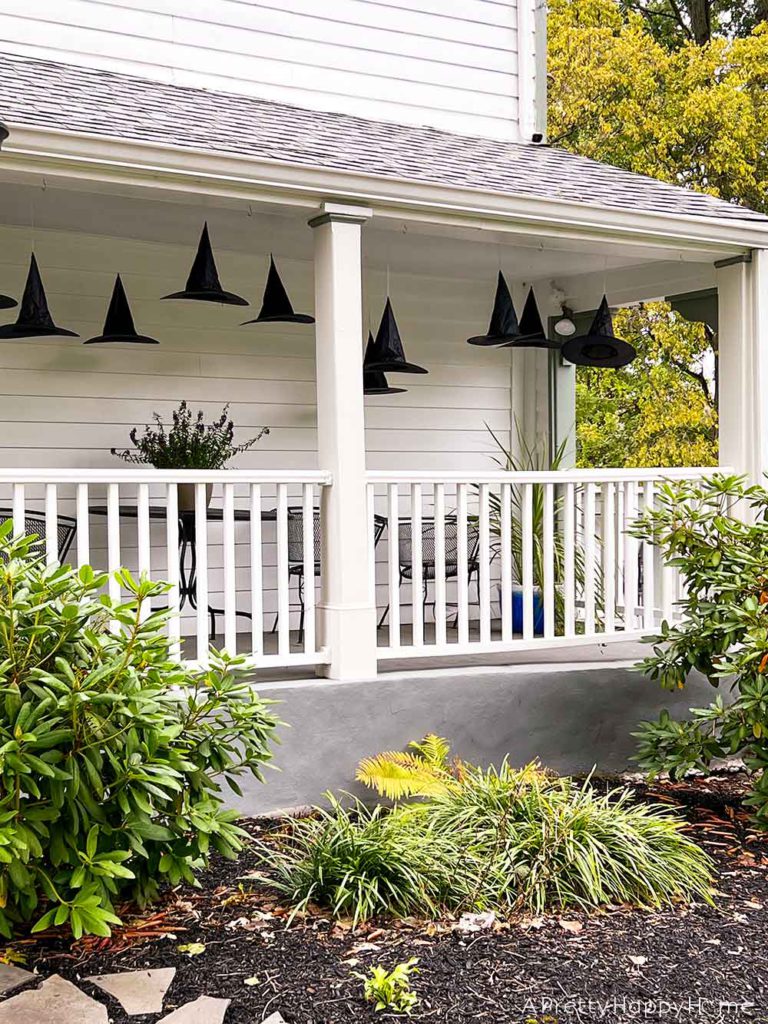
(341, 213)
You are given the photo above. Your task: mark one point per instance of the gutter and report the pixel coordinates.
(54, 152)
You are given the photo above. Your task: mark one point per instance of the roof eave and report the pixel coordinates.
(113, 159)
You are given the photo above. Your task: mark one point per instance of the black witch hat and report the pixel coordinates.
(203, 281)
(119, 323)
(6, 302)
(3, 133)
(504, 326)
(276, 306)
(387, 353)
(374, 381)
(532, 334)
(34, 319)
(599, 346)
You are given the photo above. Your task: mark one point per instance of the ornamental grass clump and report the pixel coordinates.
(112, 754)
(467, 838)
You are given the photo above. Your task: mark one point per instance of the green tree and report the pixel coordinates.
(683, 106)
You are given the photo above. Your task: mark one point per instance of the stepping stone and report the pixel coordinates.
(205, 1010)
(55, 1000)
(11, 977)
(137, 991)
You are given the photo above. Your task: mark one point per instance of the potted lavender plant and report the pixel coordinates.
(187, 443)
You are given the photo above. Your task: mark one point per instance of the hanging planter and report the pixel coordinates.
(203, 282)
(387, 352)
(504, 326)
(599, 346)
(276, 306)
(374, 381)
(118, 325)
(532, 333)
(34, 319)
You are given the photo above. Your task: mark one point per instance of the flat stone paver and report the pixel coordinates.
(56, 1002)
(205, 1010)
(137, 991)
(11, 977)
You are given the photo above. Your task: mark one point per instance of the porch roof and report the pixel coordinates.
(50, 95)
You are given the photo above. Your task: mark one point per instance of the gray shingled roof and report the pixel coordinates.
(53, 95)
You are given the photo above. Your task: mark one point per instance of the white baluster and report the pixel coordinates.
(256, 557)
(51, 524)
(569, 557)
(440, 595)
(308, 521)
(527, 545)
(462, 564)
(505, 542)
(609, 558)
(548, 560)
(18, 510)
(201, 550)
(113, 546)
(393, 514)
(230, 592)
(649, 568)
(83, 526)
(589, 559)
(484, 563)
(283, 579)
(417, 568)
(630, 559)
(172, 569)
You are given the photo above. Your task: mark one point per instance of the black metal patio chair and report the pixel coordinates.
(296, 551)
(405, 556)
(34, 526)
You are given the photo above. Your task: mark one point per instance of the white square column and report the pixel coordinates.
(742, 292)
(347, 612)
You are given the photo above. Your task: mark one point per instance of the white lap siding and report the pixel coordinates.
(65, 405)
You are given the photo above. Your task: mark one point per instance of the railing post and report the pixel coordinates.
(347, 615)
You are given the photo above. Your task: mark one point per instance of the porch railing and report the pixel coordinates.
(477, 563)
(222, 539)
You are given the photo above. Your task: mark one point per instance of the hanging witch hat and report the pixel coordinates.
(203, 281)
(387, 353)
(119, 323)
(532, 334)
(34, 319)
(6, 302)
(599, 346)
(276, 306)
(504, 326)
(374, 381)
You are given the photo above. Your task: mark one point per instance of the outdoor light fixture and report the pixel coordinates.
(599, 346)
(119, 323)
(276, 306)
(565, 326)
(203, 282)
(387, 352)
(34, 319)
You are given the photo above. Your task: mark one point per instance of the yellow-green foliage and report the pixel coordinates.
(397, 774)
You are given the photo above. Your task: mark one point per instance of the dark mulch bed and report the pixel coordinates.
(683, 965)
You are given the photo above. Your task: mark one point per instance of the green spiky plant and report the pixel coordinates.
(535, 458)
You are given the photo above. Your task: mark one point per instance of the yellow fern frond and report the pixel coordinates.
(434, 749)
(396, 774)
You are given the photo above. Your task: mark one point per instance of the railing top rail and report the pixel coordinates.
(541, 476)
(163, 476)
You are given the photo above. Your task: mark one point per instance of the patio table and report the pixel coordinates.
(188, 545)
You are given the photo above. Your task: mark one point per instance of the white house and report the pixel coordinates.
(377, 148)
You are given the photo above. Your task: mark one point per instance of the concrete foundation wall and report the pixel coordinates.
(570, 715)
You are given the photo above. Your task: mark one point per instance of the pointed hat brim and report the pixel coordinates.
(532, 341)
(487, 340)
(224, 298)
(597, 350)
(136, 339)
(281, 318)
(32, 331)
(392, 366)
(6, 302)
(385, 391)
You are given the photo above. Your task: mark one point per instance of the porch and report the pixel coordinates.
(364, 534)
